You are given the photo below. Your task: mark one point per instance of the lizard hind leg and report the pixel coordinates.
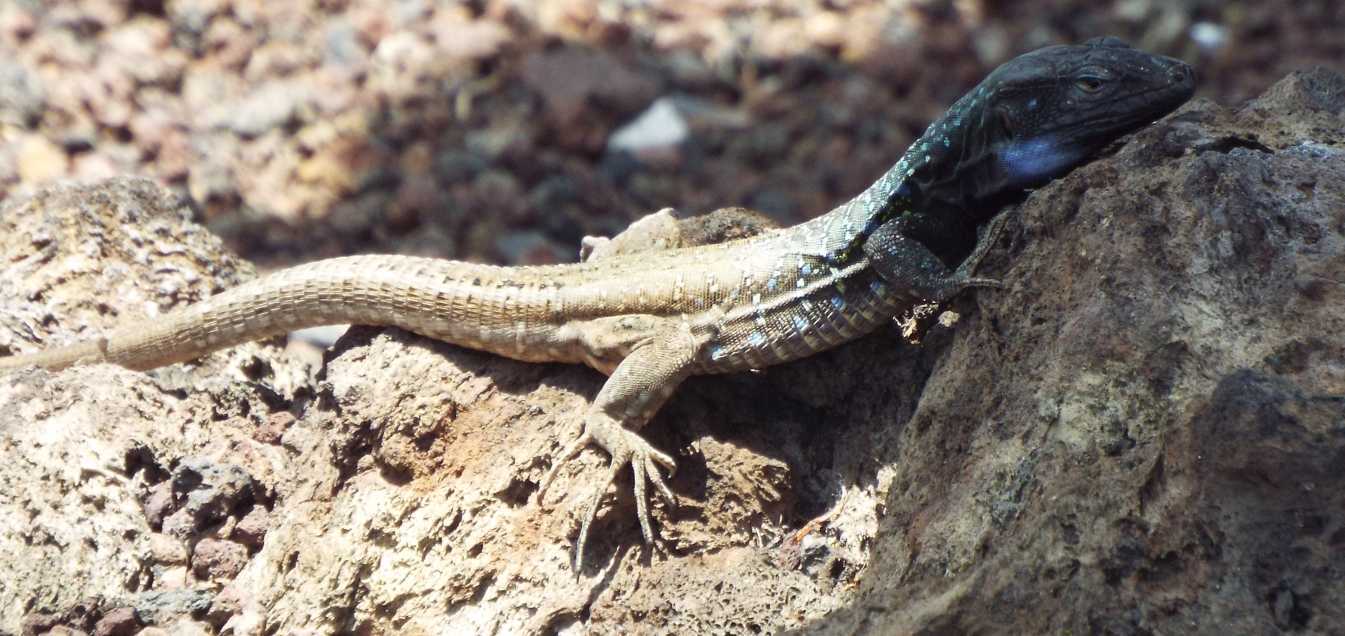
(637, 388)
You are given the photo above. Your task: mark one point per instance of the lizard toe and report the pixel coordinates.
(563, 458)
(625, 447)
(591, 513)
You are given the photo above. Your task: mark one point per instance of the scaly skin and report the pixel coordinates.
(651, 319)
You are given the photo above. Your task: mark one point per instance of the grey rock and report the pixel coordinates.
(273, 105)
(211, 490)
(157, 608)
(22, 96)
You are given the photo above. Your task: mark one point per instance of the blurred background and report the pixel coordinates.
(504, 130)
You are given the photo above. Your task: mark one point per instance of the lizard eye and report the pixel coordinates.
(1089, 83)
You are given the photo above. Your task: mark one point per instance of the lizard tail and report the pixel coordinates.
(416, 294)
(59, 358)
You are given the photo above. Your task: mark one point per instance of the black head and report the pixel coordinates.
(1039, 115)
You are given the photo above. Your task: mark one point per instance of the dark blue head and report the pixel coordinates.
(1039, 115)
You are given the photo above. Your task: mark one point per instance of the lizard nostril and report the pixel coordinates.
(1180, 73)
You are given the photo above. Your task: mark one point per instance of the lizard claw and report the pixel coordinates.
(625, 447)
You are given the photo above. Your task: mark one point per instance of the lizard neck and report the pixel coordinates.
(909, 186)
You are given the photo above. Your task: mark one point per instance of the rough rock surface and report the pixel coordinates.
(1144, 432)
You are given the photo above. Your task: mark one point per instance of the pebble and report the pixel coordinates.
(272, 105)
(40, 160)
(22, 97)
(121, 621)
(217, 559)
(659, 127)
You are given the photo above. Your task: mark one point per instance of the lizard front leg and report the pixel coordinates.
(907, 264)
(662, 353)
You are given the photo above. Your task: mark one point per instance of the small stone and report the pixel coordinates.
(41, 160)
(164, 549)
(654, 136)
(251, 529)
(274, 428)
(158, 503)
(218, 559)
(118, 622)
(341, 44)
(476, 40)
(416, 198)
(179, 524)
(211, 489)
(1209, 36)
(94, 166)
(230, 44)
(273, 105)
(172, 578)
(40, 622)
(174, 159)
(22, 97)
(568, 78)
(826, 29)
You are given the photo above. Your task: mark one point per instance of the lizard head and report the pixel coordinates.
(1038, 116)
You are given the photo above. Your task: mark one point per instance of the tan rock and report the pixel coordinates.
(41, 160)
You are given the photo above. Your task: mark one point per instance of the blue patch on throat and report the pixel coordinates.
(1033, 162)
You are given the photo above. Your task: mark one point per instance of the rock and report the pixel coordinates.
(276, 424)
(1153, 440)
(1140, 432)
(211, 490)
(474, 40)
(341, 45)
(218, 560)
(22, 97)
(120, 433)
(569, 78)
(271, 105)
(158, 503)
(40, 160)
(251, 529)
(167, 550)
(162, 608)
(118, 622)
(658, 131)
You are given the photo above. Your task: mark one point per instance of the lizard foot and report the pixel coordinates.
(625, 447)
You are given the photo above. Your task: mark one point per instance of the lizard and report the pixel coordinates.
(650, 319)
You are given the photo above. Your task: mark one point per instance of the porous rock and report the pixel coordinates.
(1143, 431)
